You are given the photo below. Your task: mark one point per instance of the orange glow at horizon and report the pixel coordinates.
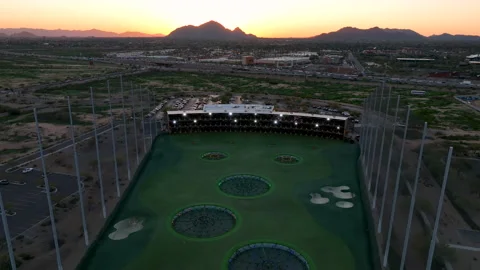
(266, 18)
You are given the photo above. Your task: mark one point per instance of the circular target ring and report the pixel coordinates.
(266, 256)
(244, 185)
(204, 221)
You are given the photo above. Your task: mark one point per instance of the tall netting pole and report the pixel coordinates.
(395, 193)
(134, 122)
(150, 118)
(366, 132)
(377, 127)
(143, 123)
(155, 119)
(79, 179)
(370, 134)
(412, 201)
(387, 174)
(433, 241)
(112, 120)
(362, 128)
(382, 147)
(125, 130)
(8, 239)
(99, 163)
(47, 191)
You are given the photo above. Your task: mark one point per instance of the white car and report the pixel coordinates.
(27, 170)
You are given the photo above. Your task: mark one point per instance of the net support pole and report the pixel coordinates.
(8, 239)
(366, 132)
(387, 174)
(377, 127)
(155, 119)
(395, 193)
(412, 200)
(99, 164)
(125, 131)
(150, 118)
(47, 192)
(369, 134)
(362, 128)
(382, 147)
(114, 147)
(134, 122)
(79, 179)
(433, 241)
(143, 123)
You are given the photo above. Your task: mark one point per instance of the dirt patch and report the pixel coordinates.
(476, 103)
(279, 86)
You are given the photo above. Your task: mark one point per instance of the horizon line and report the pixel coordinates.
(305, 37)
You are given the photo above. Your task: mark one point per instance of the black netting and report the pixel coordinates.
(204, 221)
(244, 185)
(266, 256)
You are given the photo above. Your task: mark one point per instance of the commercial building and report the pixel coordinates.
(221, 61)
(248, 60)
(283, 61)
(256, 118)
(473, 59)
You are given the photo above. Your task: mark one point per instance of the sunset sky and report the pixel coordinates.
(264, 18)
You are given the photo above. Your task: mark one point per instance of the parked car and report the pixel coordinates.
(27, 170)
(4, 182)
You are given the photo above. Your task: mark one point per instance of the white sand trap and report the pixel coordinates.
(125, 228)
(339, 192)
(318, 199)
(343, 204)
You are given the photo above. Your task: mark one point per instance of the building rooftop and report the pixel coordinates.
(415, 59)
(251, 108)
(285, 59)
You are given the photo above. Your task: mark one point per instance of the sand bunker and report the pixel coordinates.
(339, 192)
(343, 204)
(318, 199)
(125, 228)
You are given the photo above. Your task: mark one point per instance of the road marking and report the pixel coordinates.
(33, 194)
(26, 201)
(463, 247)
(18, 206)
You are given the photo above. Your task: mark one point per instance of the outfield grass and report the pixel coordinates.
(175, 176)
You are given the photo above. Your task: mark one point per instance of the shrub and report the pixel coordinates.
(26, 256)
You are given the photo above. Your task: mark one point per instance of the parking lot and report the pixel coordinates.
(29, 201)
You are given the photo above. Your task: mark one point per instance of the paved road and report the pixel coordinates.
(28, 201)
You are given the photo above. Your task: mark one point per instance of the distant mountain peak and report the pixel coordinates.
(14, 32)
(211, 30)
(353, 34)
(212, 22)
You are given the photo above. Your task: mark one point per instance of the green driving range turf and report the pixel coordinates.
(199, 198)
